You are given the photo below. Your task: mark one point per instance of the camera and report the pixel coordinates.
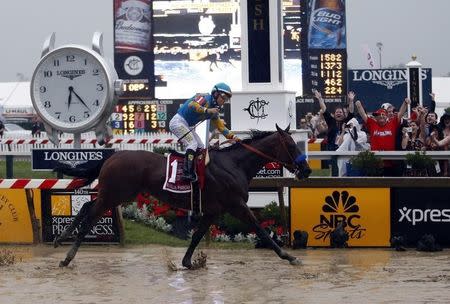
(408, 129)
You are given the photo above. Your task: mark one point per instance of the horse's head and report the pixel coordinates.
(289, 153)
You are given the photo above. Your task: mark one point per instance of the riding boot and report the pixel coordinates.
(189, 167)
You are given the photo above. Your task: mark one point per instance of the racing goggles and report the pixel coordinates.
(225, 97)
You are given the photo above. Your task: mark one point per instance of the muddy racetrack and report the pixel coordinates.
(110, 274)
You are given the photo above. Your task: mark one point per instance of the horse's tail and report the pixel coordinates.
(88, 174)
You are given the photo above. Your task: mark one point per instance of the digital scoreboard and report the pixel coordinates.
(139, 116)
(135, 88)
(328, 72)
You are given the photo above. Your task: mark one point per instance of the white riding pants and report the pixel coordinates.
(180, 127)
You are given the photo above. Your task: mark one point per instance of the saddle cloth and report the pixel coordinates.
(174, 171)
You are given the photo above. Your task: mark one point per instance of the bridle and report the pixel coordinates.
(291, 167)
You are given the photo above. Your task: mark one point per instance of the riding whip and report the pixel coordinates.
(193, 128)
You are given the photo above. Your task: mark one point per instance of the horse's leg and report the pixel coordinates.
(245, 215)
(203, 226)
(78, 218)
(88, 221)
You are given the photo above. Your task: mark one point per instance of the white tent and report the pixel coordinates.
(15, 100)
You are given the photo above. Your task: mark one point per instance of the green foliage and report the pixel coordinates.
(22, 169)
(170, 216)
(161, 150)
(367, 163)
(271, 212)
(233, 226)
(419, 160)
(139, 233)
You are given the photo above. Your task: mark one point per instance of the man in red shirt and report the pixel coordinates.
(383, 129)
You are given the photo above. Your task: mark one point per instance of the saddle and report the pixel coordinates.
(174, 171)
(175, 183)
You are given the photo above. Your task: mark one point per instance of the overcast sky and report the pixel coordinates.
(405, 27)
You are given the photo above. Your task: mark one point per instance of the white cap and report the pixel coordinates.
(386, 105)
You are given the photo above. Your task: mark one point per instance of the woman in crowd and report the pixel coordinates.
(413, 137)
(352, 138)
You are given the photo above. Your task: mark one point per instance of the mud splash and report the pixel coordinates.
(109, 274)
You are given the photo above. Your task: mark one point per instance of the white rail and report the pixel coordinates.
(22, 144)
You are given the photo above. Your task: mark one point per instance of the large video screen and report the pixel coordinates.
(197, 44)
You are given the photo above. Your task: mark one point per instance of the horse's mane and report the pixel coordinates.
(254, 134)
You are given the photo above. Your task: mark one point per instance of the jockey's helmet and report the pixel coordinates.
(222, 88)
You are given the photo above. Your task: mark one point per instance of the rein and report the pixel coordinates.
(273, 159)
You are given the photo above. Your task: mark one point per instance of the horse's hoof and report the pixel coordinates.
(187, 264)
(295, 262)
(63, 263)
(56, 242)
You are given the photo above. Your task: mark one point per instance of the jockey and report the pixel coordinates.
(196, 109)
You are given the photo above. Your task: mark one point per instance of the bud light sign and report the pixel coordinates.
(416, 212)
(377, 86)
(326, 28)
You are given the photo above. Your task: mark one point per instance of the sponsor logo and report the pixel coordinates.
(382, 133)
(133, 65)
(339, 207)
(387, 78)
(290, 109)
(71, 74)
(8, 206)
(73, 159)
(272, 169)
(256, 109)
(415, 216)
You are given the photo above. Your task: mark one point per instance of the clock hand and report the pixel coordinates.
(80, 99)
(70, 97)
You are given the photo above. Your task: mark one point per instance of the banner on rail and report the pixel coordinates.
(59, 208)
(15, 221)
(48, 159)
(366, 211)
(417, 212)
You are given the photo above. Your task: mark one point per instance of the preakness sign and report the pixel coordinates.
(59, 208)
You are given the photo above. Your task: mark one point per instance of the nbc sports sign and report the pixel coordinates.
(366, 211)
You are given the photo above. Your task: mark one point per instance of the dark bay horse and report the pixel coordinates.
(127, 173)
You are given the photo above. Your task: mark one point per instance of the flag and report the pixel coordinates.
(369, 57)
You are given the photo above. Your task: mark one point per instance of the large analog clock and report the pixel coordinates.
(73, 88)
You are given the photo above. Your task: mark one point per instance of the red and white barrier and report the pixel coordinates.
(12, 141)
(44, 184)
(316, 141)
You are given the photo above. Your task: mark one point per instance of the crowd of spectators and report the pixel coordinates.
(351, 128)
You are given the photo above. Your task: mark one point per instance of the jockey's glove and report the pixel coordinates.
(232, 136)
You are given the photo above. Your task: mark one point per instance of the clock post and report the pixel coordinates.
(74, 89)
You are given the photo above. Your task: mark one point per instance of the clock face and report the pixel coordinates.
(70, 88)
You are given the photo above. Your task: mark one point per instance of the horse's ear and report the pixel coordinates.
(287, 128)
(278, 128)
(281, 131)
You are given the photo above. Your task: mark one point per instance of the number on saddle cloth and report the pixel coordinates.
(174, 172)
